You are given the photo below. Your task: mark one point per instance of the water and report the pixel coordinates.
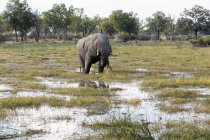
(66, 123)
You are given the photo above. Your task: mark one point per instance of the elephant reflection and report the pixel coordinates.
(93, 84)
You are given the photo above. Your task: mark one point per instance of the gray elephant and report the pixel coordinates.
(94, 48)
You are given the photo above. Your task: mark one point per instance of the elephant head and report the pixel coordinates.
(94, 48)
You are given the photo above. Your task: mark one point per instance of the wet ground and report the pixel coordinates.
(66, 123)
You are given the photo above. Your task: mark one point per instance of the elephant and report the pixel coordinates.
(94, 48)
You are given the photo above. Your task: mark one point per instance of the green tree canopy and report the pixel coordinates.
(157, 23)
(59, 18)
(125, 22)
(197, 19)
(20, 16)
(108, 27)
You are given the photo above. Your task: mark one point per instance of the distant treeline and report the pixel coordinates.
(20, 22)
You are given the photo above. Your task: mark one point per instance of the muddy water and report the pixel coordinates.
(65, 123)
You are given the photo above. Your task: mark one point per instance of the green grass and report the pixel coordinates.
(179, 82)
(121, 128)
(12, 103)
(25, 61)
(82, 91)
(171, 108)
(173, 93)
(3, 114)
(132, 102)
(185, 131)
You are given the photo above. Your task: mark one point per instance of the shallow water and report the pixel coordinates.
(4, 87)
(56, 83)
(65, 123)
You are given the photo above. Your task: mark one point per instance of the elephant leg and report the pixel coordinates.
(88, 63)
(82, 64)
(100, 70)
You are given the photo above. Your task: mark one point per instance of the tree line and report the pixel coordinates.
(62, 22)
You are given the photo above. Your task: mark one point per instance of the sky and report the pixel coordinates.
(103, 8)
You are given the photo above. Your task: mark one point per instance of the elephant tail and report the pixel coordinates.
(109, 67)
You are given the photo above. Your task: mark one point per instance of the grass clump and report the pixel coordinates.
(185, 131)
(177, 97)
(82, 91)
(171, 108)
(12, 103)
(133, 102)
(203, 106)
(177, 94)
(122, 128)
(3, 114)
(179, 82)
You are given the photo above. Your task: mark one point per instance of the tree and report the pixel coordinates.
(199, 18)
(157, 23)
(37, 26)
(20, 16)
(59, 18)
(169, 27)
(108, 27)
(88, 25)
(125, 22)
(183, 26)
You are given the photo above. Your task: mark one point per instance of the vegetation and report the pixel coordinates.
(70, 23)
(166, 68)
(122, 128)
(185, 131)
(12, 103)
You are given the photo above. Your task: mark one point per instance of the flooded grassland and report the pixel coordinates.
(155, 91)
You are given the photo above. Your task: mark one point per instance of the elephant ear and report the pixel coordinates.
(91, 47)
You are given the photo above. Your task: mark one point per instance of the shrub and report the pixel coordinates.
(144, 37)
(124, 37)
(202, 41)
(2, 38)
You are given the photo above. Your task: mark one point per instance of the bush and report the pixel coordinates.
(144, 37)
(124, 37)
(203, 41)
(2, 38)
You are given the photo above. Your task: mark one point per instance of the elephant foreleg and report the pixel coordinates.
(82, 64)
(88, 63)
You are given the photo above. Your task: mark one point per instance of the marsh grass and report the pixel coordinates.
(25, 61)
(82, 91)
(176, 93)
(121, 128)
(177, 98)
(178, 82)
(203, 106)
(3, 114)
(27, 133)
(185, 131)
(12, 103)
(172, 108)
(132, 102)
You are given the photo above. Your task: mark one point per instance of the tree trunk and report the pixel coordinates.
(158, 35)
(65, 34)
(196, 33)
(22, 35)
(16, 35)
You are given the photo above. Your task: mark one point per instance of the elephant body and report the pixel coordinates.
(94, 48)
